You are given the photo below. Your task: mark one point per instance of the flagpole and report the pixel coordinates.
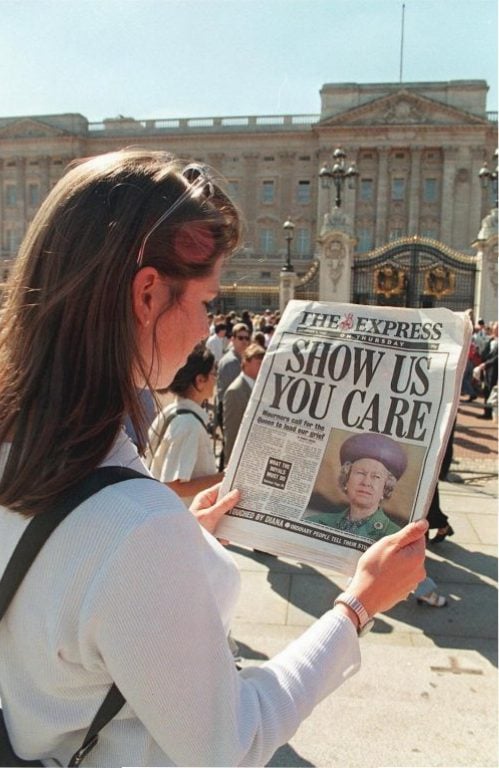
(402, 41)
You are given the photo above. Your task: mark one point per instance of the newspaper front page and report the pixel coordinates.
(346, 428)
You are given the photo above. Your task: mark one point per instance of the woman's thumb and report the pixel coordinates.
(227, 502)
(411, 532)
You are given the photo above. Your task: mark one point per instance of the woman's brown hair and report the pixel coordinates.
(68, 348)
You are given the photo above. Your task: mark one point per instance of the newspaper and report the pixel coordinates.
(345, 430)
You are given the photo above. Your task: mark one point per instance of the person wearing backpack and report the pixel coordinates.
(132, 591)
(180, 449)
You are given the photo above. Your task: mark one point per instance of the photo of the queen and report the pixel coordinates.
(371, 465)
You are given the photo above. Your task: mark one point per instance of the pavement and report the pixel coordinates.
(427, 693)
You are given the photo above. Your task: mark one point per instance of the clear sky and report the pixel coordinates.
(187, 58)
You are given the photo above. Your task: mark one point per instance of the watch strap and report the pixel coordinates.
(365, 621)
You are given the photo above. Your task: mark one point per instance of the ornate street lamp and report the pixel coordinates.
(289, 231)
(337, 173)
(489, 177)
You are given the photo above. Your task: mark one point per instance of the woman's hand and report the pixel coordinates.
(209, 509)
(392, 568)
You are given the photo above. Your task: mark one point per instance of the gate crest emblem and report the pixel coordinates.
(389, 280)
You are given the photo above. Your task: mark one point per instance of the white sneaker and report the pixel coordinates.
(433, 599)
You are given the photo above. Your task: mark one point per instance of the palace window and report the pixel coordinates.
(10, 195)
(365, 240)
(267, 192)
(430, 190)
(11, 240)
(398, 189)
(395, 233)
(33, 195)
(266, 241)
(366, 190)
(233, 189)
(303, 192)
(430, 232)
(492, 194)
(302, 241)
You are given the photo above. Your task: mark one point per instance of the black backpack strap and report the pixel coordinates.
(158, 438)
(42, 525)
(30, 544)
(180, 411)
(107, 710)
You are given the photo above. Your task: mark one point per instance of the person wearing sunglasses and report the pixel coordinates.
(229, 369)
(229, 366)
(109, 296)
(238, 393)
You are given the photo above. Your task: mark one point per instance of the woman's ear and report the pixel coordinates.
(199, 381)
(149, 295)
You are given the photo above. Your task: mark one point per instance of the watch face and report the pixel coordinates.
(366, 628)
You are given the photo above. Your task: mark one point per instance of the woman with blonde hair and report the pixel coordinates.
(108, 296)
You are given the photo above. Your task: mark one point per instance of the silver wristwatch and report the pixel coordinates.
(366, 622)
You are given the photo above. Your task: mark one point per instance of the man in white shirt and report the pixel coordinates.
(217, 343)
(480, 337)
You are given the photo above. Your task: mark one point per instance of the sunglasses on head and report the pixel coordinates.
(199, 186)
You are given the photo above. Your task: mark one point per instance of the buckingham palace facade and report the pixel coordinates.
(418, 149)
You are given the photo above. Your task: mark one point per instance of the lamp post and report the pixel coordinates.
(289, 231)
(489, 177)
(337, 173)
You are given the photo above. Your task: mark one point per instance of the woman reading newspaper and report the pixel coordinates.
(109, 295)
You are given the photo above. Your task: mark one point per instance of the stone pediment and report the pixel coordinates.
(403, 108)
(27, 128)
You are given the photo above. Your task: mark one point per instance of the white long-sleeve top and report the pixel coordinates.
(130, 589)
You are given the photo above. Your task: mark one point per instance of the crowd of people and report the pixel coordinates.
(480, 376)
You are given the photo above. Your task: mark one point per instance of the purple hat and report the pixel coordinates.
(374, 446)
